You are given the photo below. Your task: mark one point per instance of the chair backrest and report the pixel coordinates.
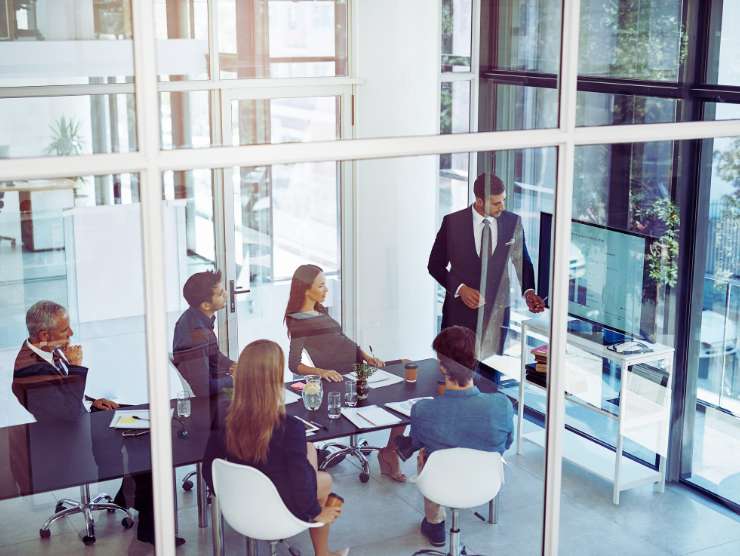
(251, 505)
(461, 477)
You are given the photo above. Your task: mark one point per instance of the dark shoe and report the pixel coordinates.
(403, 447)
(434, 532)
(323, 454)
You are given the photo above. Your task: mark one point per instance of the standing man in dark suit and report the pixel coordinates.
(470, 259)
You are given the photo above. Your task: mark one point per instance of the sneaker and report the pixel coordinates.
(434, 532)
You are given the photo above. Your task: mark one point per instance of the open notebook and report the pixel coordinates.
(405, 406)
(369, 417)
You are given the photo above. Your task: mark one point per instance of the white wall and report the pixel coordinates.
(396, 199)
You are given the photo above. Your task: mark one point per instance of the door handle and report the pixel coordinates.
(233, 292)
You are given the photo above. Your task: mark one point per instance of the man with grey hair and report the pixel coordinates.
(48, 352)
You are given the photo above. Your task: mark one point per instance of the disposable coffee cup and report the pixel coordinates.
(409, 372)
(334, 500)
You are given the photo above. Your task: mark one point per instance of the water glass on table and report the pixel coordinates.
(334, 405)
(350, 392)
(313, 393)
(183, 404)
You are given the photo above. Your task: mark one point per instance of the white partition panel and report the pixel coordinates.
(396, 198)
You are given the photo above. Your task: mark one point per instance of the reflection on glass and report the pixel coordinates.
(182, 33)
(456, 35)
(723, 65)
(284, 120)
(455, 109)
(185, 120)
(714, 465)
(56, 42)
(613, 109)
(632, 39)
(520, 35)
(272, 38)
(513, 107)
(67, 126)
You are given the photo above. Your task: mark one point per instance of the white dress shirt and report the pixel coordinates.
(48, 356)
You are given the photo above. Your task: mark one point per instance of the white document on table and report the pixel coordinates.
(405, 406)
(291, 397)
(369, 417)
(379, 378)
(132, 419)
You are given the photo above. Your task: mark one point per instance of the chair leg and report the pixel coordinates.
(273, 548)
(251, 547)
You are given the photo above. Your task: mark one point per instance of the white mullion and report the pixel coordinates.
(643, 133)
(474, 90)
(147, 119)
(294, 83)
(555, 418)
(449, 76)
(84, 165)
(214, 60)
(67, 90)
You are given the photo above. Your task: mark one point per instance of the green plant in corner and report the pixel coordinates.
(662, 259)
(65, 138)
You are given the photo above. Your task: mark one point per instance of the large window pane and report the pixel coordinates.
(632, 39)
(456, 35)
(67, 126)
(54, 42)
(723, 65)
(182, 33)
(272, 38)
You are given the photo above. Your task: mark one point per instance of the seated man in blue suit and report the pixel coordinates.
(195, 346)
(462, 417)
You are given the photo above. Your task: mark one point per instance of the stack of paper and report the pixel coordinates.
(290, 397)
(369, 417)
(310, 427)
(405, 406)
(380, 378)
(130, 419)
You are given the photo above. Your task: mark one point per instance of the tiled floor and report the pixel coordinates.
(381, 518)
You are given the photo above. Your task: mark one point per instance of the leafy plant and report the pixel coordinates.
(363, 371)
(662, 259)
(65, 138)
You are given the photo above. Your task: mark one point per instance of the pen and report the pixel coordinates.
(140, 418)
(365, 418)
(315, 424)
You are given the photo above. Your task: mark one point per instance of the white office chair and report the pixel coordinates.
(460, 478)
(251, 505)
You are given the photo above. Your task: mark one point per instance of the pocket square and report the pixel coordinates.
(510, 242)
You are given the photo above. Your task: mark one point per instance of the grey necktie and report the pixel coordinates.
(485, 253)
(485, 238)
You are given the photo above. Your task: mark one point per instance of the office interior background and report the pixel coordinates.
(265, 134)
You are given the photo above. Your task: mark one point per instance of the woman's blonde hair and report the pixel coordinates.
(258, 405)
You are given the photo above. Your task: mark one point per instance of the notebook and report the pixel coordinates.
(369, 417)
(379, 378)
(132, 419)
(405, 406)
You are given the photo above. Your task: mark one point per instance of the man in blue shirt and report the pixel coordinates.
(462, 417)
(195, 346)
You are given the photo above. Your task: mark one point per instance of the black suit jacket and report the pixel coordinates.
(454, 247)
(52, 399)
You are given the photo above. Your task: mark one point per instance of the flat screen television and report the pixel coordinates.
(609, 284)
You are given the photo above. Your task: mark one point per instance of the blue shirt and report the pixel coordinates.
(196, 354)
(463, 419)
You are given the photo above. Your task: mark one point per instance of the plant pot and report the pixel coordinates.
(363, 389)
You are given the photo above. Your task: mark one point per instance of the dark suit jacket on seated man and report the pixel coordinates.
(462, 417)
(195, 346)
(478, 286)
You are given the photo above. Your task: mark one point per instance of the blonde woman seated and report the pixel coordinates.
(257, 432)
(310, 328)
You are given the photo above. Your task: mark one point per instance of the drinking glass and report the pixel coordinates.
(183, 404)
(334, 404)
(350, 392)
(313, 393)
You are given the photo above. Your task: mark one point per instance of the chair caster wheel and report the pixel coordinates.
(88, 540)
(187, 486)
(364, 477)
(44, 533)
(59, 507)
(127, 522)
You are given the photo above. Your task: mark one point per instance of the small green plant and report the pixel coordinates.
(65, 138)
(363, 371)
(662, 259)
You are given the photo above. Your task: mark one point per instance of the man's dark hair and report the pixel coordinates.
(457, 345)
(199, 287)
(488, 183)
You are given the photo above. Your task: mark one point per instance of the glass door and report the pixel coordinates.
(278, 217)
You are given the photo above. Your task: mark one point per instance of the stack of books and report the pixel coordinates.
(540, 357)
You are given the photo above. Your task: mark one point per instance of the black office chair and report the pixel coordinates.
(12, 240)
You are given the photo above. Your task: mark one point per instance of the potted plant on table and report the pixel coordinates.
(363, 371)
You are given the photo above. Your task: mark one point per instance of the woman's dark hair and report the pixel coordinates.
(457, 345)
(303, 278)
